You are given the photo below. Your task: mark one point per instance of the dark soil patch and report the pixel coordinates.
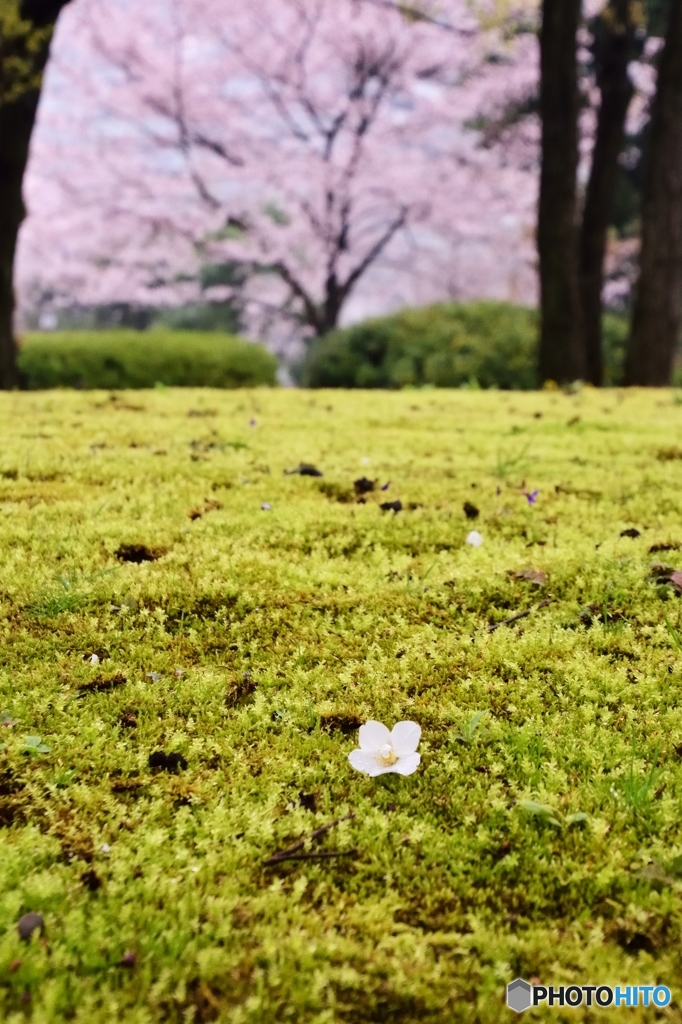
(241, 691)
(363, 485)
(138, 553)
(345, 724)
(91, 880)
(161, 761)
(101, 684)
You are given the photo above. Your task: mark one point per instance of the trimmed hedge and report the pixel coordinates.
(141, 359)
(484, 344)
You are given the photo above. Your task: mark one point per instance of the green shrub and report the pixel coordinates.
(485, 344)
(615, 333)
(446, 345)
(141, 359)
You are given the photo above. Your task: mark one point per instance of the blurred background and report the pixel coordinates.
(381, 194)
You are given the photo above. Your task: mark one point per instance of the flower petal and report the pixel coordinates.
(364, 761)
(406, 765)
(384, 769)
(373, 735)
(405, 738)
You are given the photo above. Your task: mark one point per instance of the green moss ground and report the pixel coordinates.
(337, 611)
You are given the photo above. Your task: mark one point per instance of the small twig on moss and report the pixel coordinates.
(322, 855)
(101, 684)
(519, 615)
(292, 852)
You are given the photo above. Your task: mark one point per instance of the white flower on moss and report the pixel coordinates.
(475, 539)
(382, 751)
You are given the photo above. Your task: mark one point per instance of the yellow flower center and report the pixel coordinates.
(386, 754)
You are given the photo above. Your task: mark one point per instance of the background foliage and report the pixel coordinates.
(491, 344)
(136, 359)
(20, 41)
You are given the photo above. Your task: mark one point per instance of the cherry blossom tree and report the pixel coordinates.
(328, 159)
(294, 148)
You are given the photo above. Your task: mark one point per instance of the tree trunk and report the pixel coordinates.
(16, 124)
(562, 356)
(23, 56)
(658, 301)
(614, 49)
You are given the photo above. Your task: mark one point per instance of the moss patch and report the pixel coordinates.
(171, 721)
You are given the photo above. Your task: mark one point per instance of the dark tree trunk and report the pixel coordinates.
(16, 124)
(614, 48)
(658, 301)
(562, 356)
(27, 53)
(335, 296)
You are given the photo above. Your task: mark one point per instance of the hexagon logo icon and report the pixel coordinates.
(518, 995)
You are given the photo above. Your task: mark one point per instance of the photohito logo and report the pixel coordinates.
(521, 995)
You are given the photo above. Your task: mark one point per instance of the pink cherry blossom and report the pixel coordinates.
(330, 147)
(349, 156)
